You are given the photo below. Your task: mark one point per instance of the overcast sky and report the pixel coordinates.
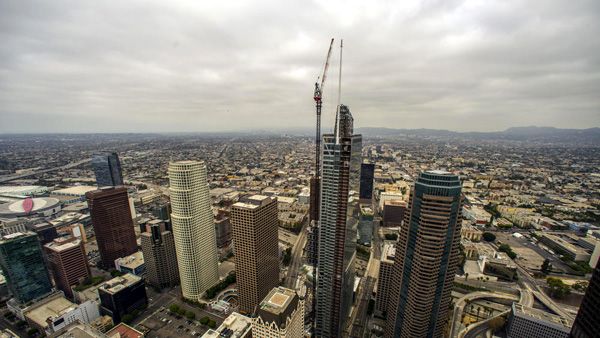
(120, 66)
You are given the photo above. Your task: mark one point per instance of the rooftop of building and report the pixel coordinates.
(234, 326)
(119, 283)
(185, 163)
(533, 313)
(28, 206)
(63, 243)
(438, 172)
(366, 210)
(78, 330)
(389, 253)
(15, 235)
(131, 262)
(78, 190)
(124, 331)
(396, 202)
(68, 217)
(21, 190)
(106, 191)
(572, 248)
(54, 308)
(253, 202)
(277, 300)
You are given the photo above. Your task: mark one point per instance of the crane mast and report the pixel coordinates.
(318, 102)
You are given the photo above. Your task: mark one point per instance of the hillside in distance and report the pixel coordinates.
(590, 136)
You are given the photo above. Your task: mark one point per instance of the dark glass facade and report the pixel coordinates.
(426, 258)
(23, 266)
(121, 296)
(587, 323)
(107, 169)
(367, 174)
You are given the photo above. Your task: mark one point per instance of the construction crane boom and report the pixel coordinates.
(318, 100)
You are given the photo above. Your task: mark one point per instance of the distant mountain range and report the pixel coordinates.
(539, 134)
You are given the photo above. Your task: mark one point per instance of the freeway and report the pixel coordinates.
(461, 302)
(479, 329)
(531, 285)
(4, 179)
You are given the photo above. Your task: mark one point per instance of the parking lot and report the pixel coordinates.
(530, 255)
(163, 323)
(166, 324)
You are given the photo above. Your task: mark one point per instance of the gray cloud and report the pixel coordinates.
(113, 66)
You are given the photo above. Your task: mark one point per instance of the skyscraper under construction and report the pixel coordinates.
(426, 259)
(338, 225)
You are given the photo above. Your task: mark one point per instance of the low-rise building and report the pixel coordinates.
(72, 194)
(55, 312)
(471, 233)
(133, 264)
(234, 326)
(393, 212)
(533, 323)
(563, 247)
(123, 330)
(122, 295)
(499, 265)
(477, 215)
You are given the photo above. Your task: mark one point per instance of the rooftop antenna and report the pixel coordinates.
(337, 112)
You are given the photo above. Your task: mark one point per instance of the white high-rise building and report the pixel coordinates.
(193, 228)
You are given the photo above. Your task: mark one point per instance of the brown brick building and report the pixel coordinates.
(256, 241)
(68, 263)
(113, 226)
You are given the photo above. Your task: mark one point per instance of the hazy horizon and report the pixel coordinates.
(179, 66)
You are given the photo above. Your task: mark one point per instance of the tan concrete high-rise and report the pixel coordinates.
(193, 228)
(256, 243)
(427, 254)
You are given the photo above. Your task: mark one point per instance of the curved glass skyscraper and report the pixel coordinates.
(426, 258)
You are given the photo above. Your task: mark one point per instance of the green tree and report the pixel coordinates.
(580, 286)
(212, 324)
(190, 315)
(508, 250)
(204, 320)
(546, 266)
(174, 308)
(181, 312)
(557, 288)
(127, 318)
(287, 256)
(489, 237)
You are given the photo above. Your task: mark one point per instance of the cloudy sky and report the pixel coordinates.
(114, 66)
